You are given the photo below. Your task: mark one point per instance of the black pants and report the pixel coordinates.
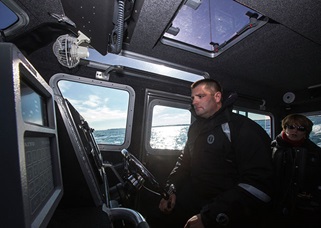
(189, 204)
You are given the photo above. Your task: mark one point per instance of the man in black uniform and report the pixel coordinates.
(223, 177)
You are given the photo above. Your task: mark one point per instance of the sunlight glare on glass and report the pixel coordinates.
(215, 21)
(169, 127)
(169, 137)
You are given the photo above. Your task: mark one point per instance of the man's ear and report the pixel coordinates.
(218, 96)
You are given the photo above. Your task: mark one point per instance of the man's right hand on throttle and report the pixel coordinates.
(167, 206)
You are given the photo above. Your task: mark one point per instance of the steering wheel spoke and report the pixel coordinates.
(138, 174)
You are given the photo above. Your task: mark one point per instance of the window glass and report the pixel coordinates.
(263, 120)
(169, 127)
(315, 134)
(105, 109)
(213, 22)
(7, 17)
(242, 113)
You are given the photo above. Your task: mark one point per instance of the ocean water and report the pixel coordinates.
(114, 136)
(174, 137)
(162, 137)
(169, 137)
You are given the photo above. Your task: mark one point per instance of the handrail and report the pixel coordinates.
(126, 214)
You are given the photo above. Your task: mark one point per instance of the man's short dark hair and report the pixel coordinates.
(210, 83)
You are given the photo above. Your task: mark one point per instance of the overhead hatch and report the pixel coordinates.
(208, 27)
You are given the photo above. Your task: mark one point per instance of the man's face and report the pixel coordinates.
(205, 102)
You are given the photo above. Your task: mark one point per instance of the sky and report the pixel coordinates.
(214, 21)
(106, 108)
(170, 116)
(102, 108)
(7, 17)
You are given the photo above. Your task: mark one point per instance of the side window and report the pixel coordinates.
(167, 122)
(169, 127)
(315, 134)
(263, 120)
(107, 107)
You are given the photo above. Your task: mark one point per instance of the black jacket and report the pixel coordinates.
(233, 177)
(297, 177)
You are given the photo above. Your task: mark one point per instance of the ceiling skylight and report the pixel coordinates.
(7, 16)
(211, 26)
(12, 17)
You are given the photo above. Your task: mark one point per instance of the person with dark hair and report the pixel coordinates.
(297, 162)
(223, 177)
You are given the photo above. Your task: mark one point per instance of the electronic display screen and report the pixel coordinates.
(33, 105)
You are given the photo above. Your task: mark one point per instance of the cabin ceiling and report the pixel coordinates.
(283, 55)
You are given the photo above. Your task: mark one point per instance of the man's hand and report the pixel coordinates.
(166, 206)
(194, 222)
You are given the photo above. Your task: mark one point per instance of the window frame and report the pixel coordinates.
(154, 98)
(178, 101)
(254, 111)
(217, 49)
(130, 111)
